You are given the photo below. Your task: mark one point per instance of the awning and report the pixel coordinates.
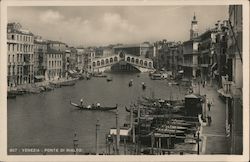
(216, 72)
(181, 71)
(221, 92)
(71, 72)
(39, 77)
(214, 66)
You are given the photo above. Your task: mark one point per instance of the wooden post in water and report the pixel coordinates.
(160, 144)
(75, 145)
(117, 133)
(139, 131)
(152, 143)
(125, 145)
(96, 137)
(133, 126)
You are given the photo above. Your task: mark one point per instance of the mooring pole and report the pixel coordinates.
(198, 140)
(117, 133)
(96, 137)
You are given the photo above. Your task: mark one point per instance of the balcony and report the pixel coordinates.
(226, 90)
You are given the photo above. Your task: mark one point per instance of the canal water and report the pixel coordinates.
(47, 120)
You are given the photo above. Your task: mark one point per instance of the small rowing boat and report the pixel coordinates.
(93, 107)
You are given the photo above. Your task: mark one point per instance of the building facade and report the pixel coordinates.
(54, 69)
(234, 79)
(143, 50)
(61, 48)
(190, 52)
(20, 45)
(40, 58)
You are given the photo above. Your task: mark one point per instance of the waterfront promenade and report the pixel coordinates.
(214, 140)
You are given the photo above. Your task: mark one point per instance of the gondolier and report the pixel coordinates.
(81, 101)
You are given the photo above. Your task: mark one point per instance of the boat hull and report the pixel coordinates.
(93, 108)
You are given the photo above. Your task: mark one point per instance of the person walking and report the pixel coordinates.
(209, 105)
(209, 119)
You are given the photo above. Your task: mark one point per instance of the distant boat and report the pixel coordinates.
(109, 79)
(100, 75)
(130, 83)
(143, 86)
(70, 82)
(156, 76)
(93, 107)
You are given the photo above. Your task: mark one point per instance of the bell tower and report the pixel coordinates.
(194, 28)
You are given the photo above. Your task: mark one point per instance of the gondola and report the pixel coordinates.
(109, 79)
(93, 108)
(128, 110)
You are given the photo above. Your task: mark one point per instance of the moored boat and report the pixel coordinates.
(100, 75)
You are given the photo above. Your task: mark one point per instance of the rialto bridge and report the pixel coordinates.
(122, 62)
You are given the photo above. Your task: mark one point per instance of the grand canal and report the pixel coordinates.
(47, 120)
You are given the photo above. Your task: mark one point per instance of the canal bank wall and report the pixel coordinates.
(40, 86)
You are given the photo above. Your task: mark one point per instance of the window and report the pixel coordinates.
(13, 70)
(12, 36)
(13, 58)
(21, 47)
(8, 47)
(8, 58)
(17, 46)
(17, 57)
(18, 37)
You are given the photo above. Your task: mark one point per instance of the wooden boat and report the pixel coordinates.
(70, 82)
(128, 110)
(100, 75)
(109, 79)
(152, 100)
(169, 131)
(11, 96)
(156, 77)
(93, 108)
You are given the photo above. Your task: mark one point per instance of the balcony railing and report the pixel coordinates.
(226, 87)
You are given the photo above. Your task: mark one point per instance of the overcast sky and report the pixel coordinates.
(101, 25)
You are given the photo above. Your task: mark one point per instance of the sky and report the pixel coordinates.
(104, 25)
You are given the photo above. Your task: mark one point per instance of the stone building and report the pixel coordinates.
(40, 58)
(54, 64)
(190, 52)
(61, 48)
(232, 81)
(20, 46)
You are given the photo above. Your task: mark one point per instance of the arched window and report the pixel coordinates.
(137, 61)
(102, 62)
(128, 59)
(150, 64)
(98, 63)
(132, 60)
(111, 60)
(145, 63)
(93, 64)
(115, 59)
(107, 61)
(141, 62)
